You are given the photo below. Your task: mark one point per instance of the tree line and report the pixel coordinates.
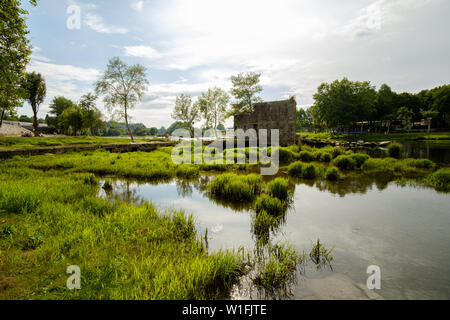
(345, 105)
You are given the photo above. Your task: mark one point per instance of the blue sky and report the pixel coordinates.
(191, 45)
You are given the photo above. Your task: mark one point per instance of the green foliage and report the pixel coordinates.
(320, 255)
(237, 188)
(345, 162)
(278, 188)
(359, 158)
(310, 171)
(186, 112)
(295, 169)
(34, 92)
(245, 90)
(213, 104)
(440, 179)
(332, 174)
(394, 150)
(273, 206)
(263, 224)
(306, 156)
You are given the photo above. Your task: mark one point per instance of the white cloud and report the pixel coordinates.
(142, 52)
(138, 6)
(95, 22)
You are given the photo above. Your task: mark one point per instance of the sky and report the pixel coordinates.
(189, 46)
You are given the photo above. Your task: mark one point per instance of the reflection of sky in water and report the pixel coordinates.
(404, 230)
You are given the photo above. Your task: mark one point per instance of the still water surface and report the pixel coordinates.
(403, 230)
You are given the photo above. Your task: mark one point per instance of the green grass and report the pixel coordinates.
(332, 174)
(394, 150)
(236, 188)
(51, 220)
(278, 188)
(440, 180)
(62, 141)
(273, 206)
(377, 137)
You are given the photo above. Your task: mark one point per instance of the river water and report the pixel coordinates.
(402, 229)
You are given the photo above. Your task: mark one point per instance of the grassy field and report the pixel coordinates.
(60, 141)
(377, 137)
(51, 217)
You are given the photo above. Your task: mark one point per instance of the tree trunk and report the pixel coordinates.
(35, 123)
(128, 127)
(1, 118)
(92, 132)
(429, 125)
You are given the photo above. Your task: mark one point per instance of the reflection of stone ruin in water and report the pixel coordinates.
(279, 115)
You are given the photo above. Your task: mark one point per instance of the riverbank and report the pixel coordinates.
(378, 137)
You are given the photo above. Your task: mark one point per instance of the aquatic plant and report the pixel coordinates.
(440, 179)
(295, 169)
(321, 256)
(278, 188)
(332, 174)
(345, 162)
(394, 150)
(272, 206)
(306, 156)
(359, 158)
(262, 225)
(234, 187)
(310, 171)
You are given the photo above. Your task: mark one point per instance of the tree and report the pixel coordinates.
(429, 115)
(72, 118)
(153, 131)
(343, 103)
(34, 92)
(406, 116)
(14, 54)
(122, 86)
(213, 104)
(245, 90)
(92, 117)
(186, 112)
(304, 119)
(140, 130)
(57, 108)
(441, 100)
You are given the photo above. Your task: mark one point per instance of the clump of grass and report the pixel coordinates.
(20, 198)
(187, 171)
(321, 256)
(263, 224)
(107, 186)
(97, 206)
(233, 187)
(325, 157)
(309, 171)
(345, 162)
(278, 188)
(90, 178)
(295, 169)
(306, 156)
(277, 270)
(420, 163)
(394, 150)
(440, 179)
(332, 174)
(273, 206)
(359, 158)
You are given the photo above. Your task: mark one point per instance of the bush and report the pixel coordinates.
(309, 171)
(236, 188)
(394, 150)
(272, 206)
(344, 162)
(279, 188)
(295, 169)
(440, 179)
(360, 158)
(332, 174)
(306, 156)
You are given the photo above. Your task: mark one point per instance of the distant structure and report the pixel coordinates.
(271, 115)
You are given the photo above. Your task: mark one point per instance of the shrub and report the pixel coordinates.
(420, 163)
(345, 162)
(332, 174)
(309, 171)
(440, 179)
(394, 150)
(236, 188)
(295, 169)
(272, 206)
(306, 156)
(325, 157)
(359, 158)
(279, 188)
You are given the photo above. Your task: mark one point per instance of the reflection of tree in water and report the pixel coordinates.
(122, 191)
(353, 185)
(184, 188)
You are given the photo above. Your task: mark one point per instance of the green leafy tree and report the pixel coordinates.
(72, 118)
(14, 54)
(245, 90)
(304, 119)
(406, 116)
(441, 100)
(186, 112)
(34, 92)
(122, 86)
(213, 105)
(153, 131)
(429, 115)
(92, 117)
(57, 108)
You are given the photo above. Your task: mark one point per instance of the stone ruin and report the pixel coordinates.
(279, 115)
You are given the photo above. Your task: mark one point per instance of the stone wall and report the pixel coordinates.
(271, 115)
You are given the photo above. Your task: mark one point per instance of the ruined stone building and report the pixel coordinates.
(271, 115)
